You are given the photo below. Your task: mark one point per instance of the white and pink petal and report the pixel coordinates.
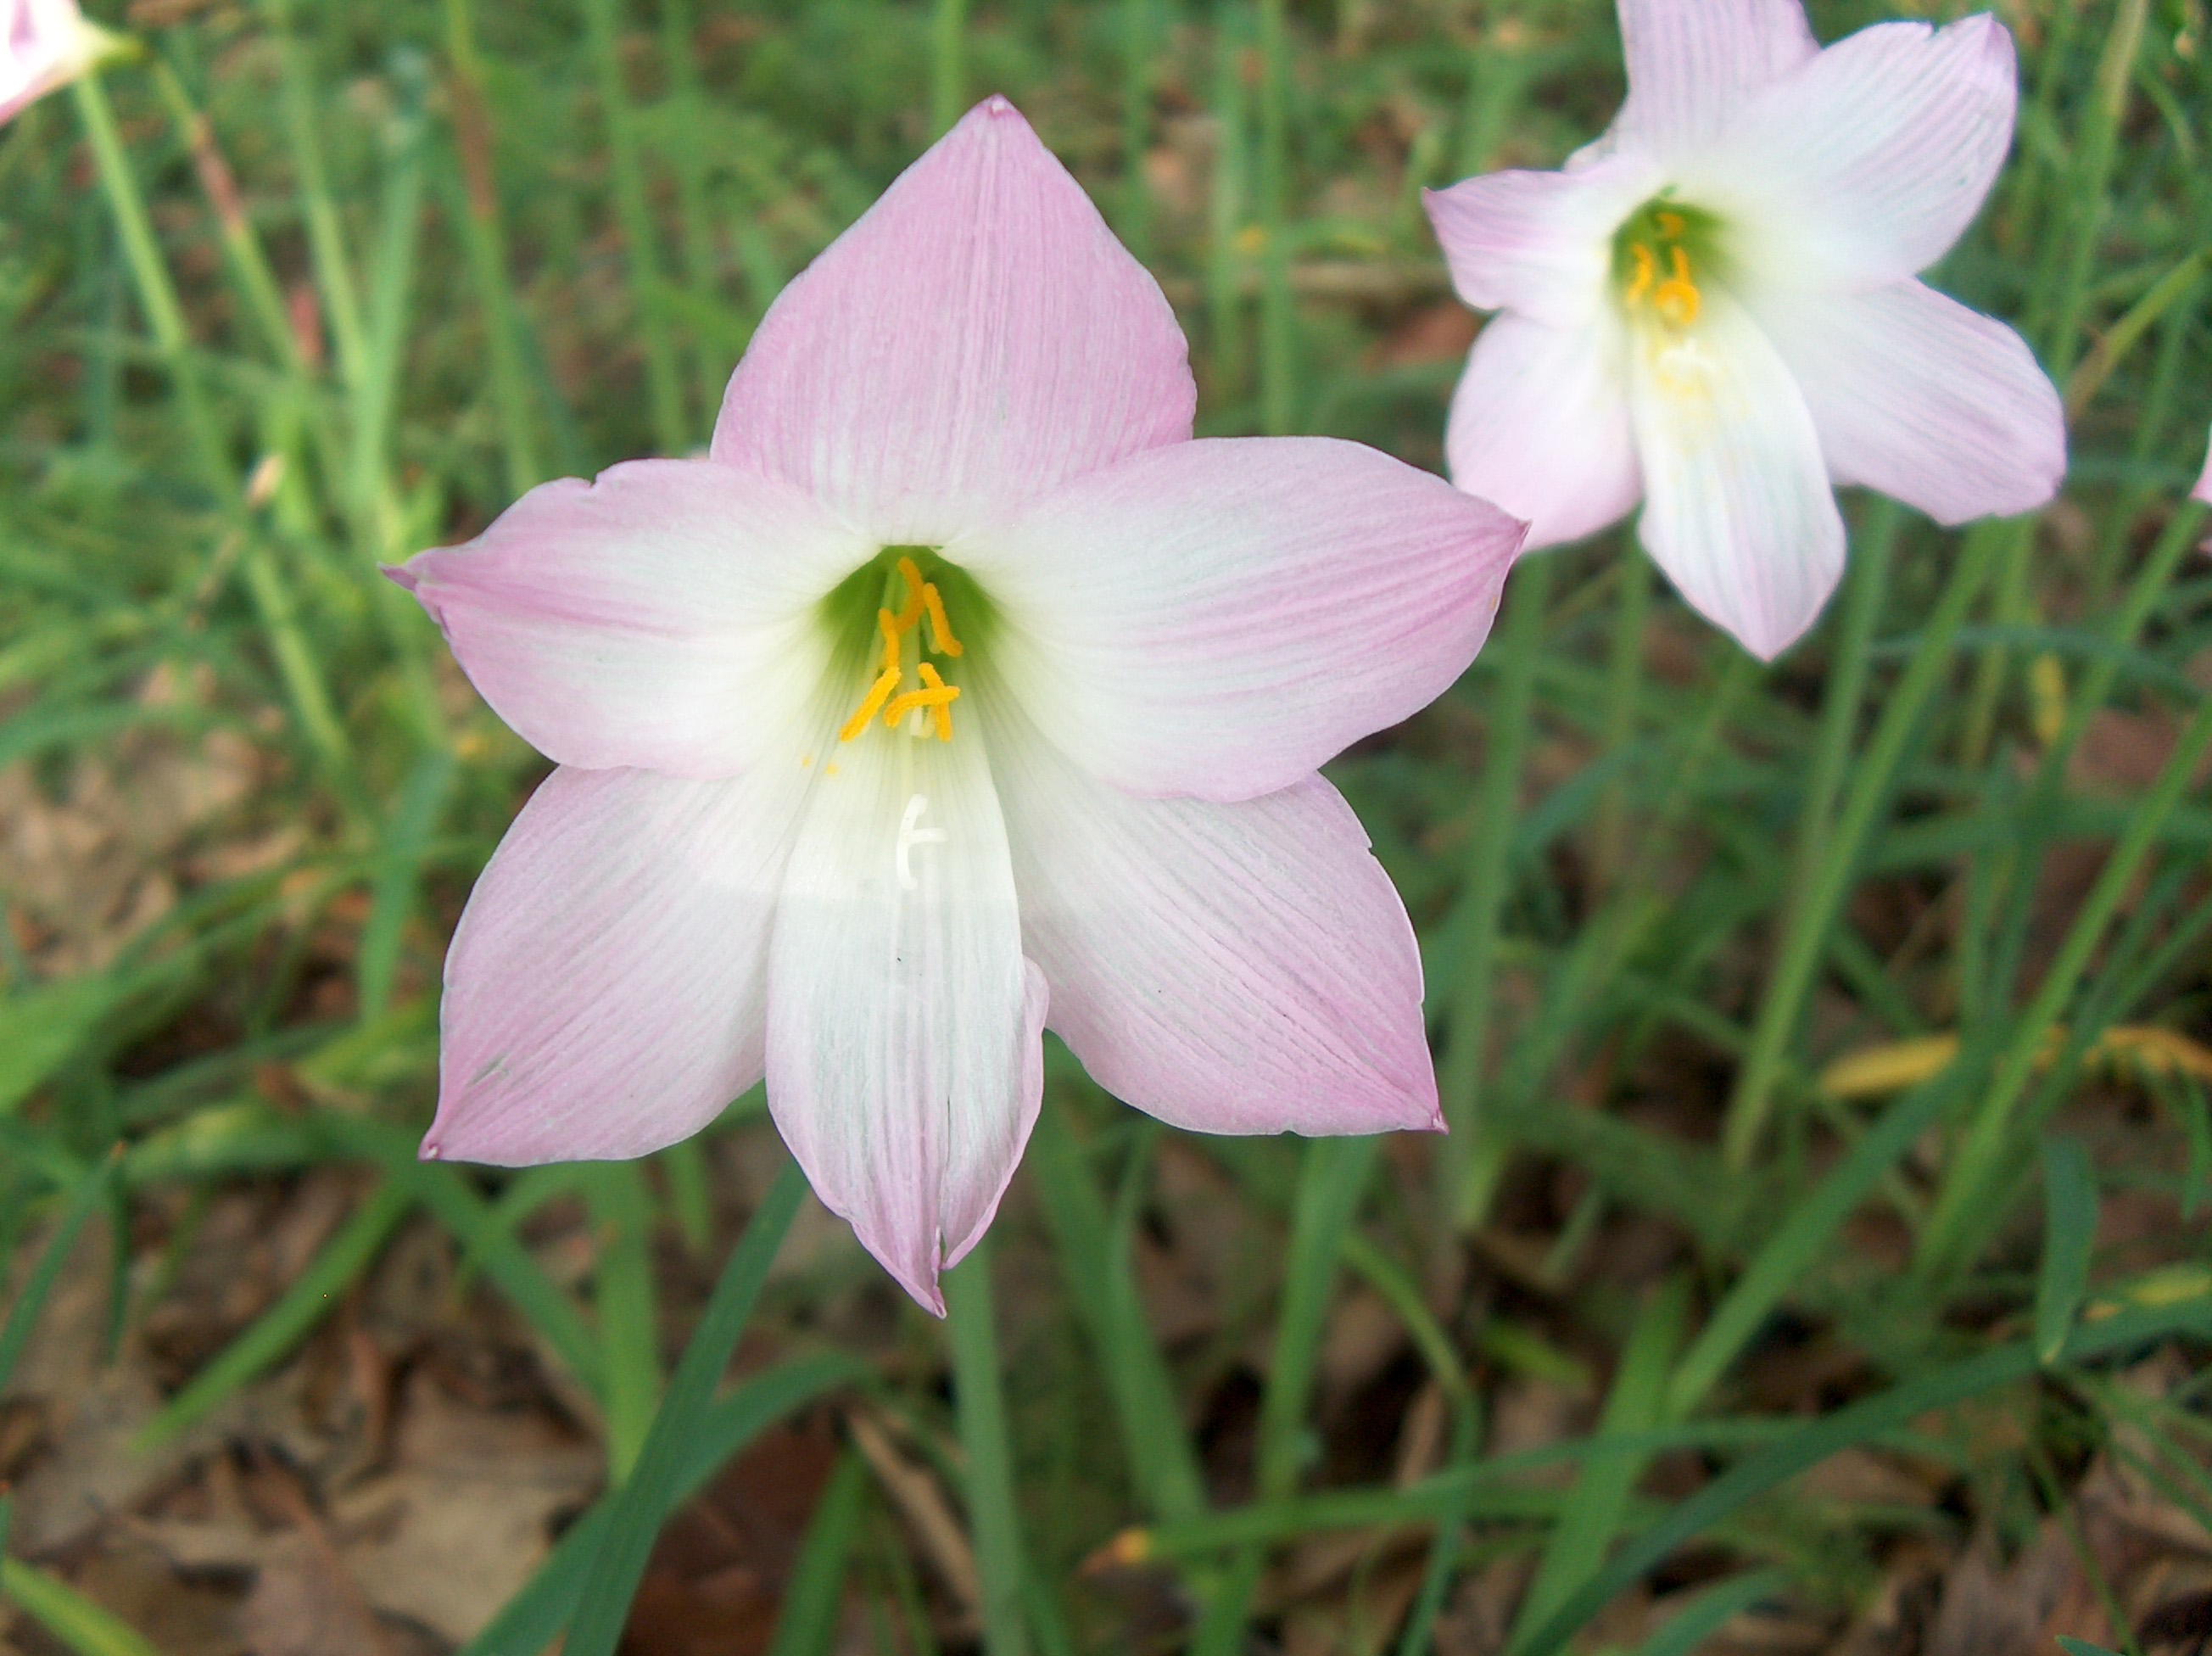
(977, 336)
(1540, 425)
(1917, 396)
(904, 1062)
(1218, 617)
(605, 991)
(1692, 63)
(1738, 510)
(1243, 968)
(663, 616)
(1865, 165)
(1538, 243)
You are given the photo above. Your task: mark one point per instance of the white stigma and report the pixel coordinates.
(910, 834)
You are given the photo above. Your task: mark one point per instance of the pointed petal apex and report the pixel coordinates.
(976, 338)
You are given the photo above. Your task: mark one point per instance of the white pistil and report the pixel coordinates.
(911, 835)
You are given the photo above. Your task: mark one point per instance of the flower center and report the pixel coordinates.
(930, 705)
(1657, 255)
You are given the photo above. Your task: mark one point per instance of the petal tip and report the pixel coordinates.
(401, 575)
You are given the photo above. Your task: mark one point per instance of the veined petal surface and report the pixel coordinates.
(904, 1062)
(1539, 424)
(1738, 510)
(1538, 243)
(606, 989)
(1243, 968)
(1217, 617)
(1915, 395)
(661, 617)
(1692, 62)
(1863, 166)
(977, 336)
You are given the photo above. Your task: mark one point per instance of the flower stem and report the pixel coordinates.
(1278, 318)
(311, 701)
(980, 1399)
(1473, 1146)
(637, 1508)
(1832, 754)
(948, 65)
(663, 385)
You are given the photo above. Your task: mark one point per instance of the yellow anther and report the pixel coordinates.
(940, 629)
(1647, 272)
(887, 623)
(910, 611)
(879, 693)
(940, 712)
(936, 698)
(1677, 299)
(1671, 225)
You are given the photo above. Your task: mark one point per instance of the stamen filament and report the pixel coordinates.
(940, 629)
(941, 712)
(888, 624)
(1677, 298)
(1647, 272)
(879, 693)
(910, 611)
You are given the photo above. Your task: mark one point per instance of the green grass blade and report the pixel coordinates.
(1868, 584)
(664, 383)
(41, 1027)
(979, 1398)
(312, 1297)
(23, 1315)
(623, 1293)
(485, 1241)
(333, 264)
(948, 65)
(1333, 1176)
(73, 1620)
(1855, 1424)
(1102, 1292)
(473, 194)
(1137, 45)
(533, 1618)
(1977, 1167)
(639, 1507)
(1703, 1615)
(1444, 1547)
(2069, 1230)
(1474, 1146)
(1279, 365)
(1593, 1513)
(407, 836)
(815, 1591)
(1812, 1221)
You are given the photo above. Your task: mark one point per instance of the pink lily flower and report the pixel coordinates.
(44, 46)
(959, 690)
(2203, 490)
(1712, 309)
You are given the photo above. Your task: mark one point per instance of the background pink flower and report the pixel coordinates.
(1712, 309)
(44, 46)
